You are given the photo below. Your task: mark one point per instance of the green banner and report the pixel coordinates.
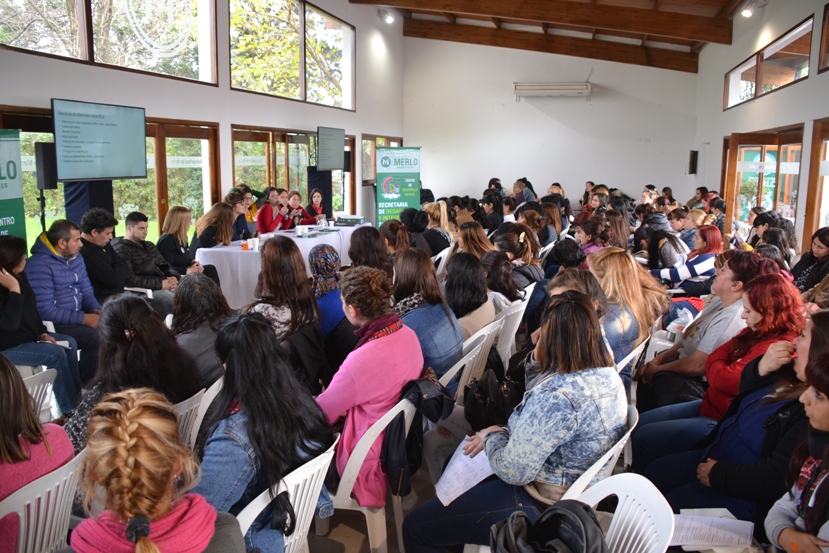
(12, 219)
(398, 182)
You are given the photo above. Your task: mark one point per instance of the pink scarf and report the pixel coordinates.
(187, 528)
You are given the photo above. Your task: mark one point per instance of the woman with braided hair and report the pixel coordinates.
(135, 456)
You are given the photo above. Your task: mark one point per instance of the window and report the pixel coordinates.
(167, 37)
(784, 61)
(823, 62)
(263, 158)
(369, 154)
(291, 49)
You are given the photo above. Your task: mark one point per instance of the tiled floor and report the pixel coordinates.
(348, 528)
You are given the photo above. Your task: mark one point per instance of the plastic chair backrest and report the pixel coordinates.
(528, 291)
(474, 349)
(204, 405)
(607, 462)
(637, 351)
(187, 411)
(476, 368)
(44, 507)
(358, 455)
(511, 316)
(643, 521)
(50, 326)
(303, 486)
(442, 258)
(545, 251)
(39, 387)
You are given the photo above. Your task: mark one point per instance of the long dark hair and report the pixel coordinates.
(778, 237)
(499, 275)
(465, 284)
(285, 426)
(654, 237)
(414, 273)
(368, 249)
(283, 282)
(19, 426)
(138, 351)
(396, 234)
(198, 299)
(12, 250)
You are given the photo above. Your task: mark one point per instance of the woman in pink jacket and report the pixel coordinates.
(371, 378)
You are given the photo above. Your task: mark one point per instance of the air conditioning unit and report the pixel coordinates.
(551, 89)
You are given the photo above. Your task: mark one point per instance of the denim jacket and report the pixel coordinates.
(564, 424)
(439, 335)
(229, 482)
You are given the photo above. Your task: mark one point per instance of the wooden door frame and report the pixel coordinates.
(814, 191)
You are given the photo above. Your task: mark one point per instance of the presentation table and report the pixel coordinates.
(239, 269)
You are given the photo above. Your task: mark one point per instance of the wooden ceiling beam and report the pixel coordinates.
(553, 44)
(602, 16)
(545, 28)
(449, 17)
(497, 22)
(729, 8)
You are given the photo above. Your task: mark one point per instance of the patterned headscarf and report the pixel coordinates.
(324, 262)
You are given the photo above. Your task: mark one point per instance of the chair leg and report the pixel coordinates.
(376, 523)
(320, 526)
(397, 503)
(628, 454)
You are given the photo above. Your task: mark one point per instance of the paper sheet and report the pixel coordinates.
(462, 474)
(711, 532)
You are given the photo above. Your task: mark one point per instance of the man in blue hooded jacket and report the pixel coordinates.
(63, 291)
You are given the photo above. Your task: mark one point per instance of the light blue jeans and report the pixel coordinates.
(65, 361)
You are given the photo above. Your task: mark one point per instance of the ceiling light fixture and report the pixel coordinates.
(753, 6)
(386, 16)
(747, 11)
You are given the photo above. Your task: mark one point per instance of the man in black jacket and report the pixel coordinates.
(107, 271)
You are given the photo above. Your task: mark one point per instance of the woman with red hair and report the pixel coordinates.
(773, 311)
(700, 263)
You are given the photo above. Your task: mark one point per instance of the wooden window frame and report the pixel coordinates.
(373, 139)
(811, 219)
(823, 57)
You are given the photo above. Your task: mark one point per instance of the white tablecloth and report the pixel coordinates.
(239, 269)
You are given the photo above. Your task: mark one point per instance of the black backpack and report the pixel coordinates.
(569, 526)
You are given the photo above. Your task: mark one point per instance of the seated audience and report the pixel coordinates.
(273, 215)
(777, 237)
(814, 265)
(63, 292)
(416, 223)
(571, 414)
(266, 425)
(324, 262)
(24, 340)
(773, 311)
(199, 309)
(250, 204)
(679, 221)
(599, 202)
(648, 215)
(315, 208)
(27, 449)
(501, 287)
(466, 293)
(284, 293)
(396, 237)
(537, 222)
(773, 252)
(565, 254)
(214, 228)
(438, 233)
(458, 212)
(797, 521)
(296, 213)
(522, 191)
(106, 270)
(493, 207)
(368, 249)
(675, 375)
(495, 185)
(137, 351)
(663, 248)
(700, 262)
(593, 234)
(472, 239)
(718, 210)
(172, 244)
(421, 307)
(617, 224)
(634, 301)
(742, 464)
(372, 377)
(240, 211)
(521, 247)
(555, 220)
(135, 457)
(146, 267)
(509, 210)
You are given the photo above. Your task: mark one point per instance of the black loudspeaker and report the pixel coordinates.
(692, 162)
(46, 163)
(81, 196)
(346, 162)
(321, 180)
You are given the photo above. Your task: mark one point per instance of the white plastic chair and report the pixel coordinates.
(303, 486)
(442, 258)
(204, 405)
(473, 349)
(476, 368)
(375, 518)
(168, 320)
(643, 521)
(512, 320)
(528, 291)
(44, 507)
(606, 463)
(39, 387)
(637, 351)
(143, 291)
(50, 326)
(187, 411)
(545, 251)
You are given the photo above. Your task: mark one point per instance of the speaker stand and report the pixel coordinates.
(42, 211)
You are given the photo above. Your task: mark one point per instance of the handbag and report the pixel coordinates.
(569, 526)
(488, 402)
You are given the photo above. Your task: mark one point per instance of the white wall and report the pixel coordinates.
(800, 103)
(37, 79)
(637, 127)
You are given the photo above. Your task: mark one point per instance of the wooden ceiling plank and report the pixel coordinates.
(729, 8)
(602, 16)
(553, 44)
(497, 22)
(449, 17)
(545, 27)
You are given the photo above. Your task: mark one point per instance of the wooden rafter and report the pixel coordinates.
(602, 16)
(553, 44)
